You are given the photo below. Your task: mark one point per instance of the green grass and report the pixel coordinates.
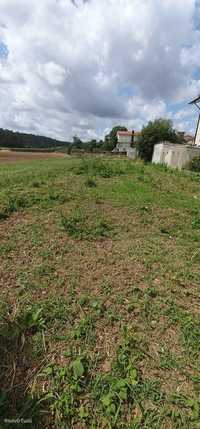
(99, 309)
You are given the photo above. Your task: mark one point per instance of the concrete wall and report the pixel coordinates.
(174, 155)
(132, 153)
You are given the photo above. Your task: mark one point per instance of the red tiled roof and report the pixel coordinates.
(127, 133)
(124, 133)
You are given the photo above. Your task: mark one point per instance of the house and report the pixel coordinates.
(185, 138)
(126, 140)
(196, 102)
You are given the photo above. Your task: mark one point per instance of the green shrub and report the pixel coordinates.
(155, 132)
(195, 165)
(90, 183)
(98, 167)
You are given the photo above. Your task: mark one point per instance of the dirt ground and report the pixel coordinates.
(12, 156)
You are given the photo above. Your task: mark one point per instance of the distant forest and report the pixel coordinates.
(14, 139)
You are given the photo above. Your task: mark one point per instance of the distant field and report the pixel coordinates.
(100, 301)
(12, 156)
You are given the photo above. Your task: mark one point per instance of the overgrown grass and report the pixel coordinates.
(99, 275)
(78, 225)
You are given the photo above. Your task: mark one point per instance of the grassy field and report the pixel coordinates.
(100, 303)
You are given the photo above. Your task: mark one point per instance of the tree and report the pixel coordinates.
(155, 132)
(69, 149)
(77, 142)
(111, 139)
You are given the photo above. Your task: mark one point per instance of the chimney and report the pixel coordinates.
(132, 137)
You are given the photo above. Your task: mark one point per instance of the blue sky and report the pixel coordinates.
(82, 67)
(3, 50)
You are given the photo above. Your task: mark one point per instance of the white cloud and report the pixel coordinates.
(83, 66)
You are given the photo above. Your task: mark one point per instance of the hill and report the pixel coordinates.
(99, 275)
(14, 139)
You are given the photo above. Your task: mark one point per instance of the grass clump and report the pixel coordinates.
(80, 226)
(190, 329)
(21, 345)
(100, 168)
(90, 183)
(12, 205)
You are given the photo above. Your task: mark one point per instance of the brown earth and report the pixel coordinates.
(12, 156)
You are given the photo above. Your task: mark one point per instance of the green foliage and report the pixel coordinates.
(12, 205)
(78, 368)
(79, 226)
(155, 132)
(194, 165)
(98, 167)
(111, 140)
(90, 183)
(14, 139)
(190, 329)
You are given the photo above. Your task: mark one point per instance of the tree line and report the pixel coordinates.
(154, 132)
(15, 139)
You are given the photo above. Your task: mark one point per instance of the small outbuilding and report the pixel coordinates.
(175, 155)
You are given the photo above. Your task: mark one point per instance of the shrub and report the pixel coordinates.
(99, 168)
(90, 183)
(195, 165)
(155, 132)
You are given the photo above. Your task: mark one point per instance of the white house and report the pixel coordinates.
(197, 134)
(126, 140)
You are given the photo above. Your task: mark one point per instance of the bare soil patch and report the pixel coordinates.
(12, 156)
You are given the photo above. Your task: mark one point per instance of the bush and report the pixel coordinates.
(155, 132)
(195, 165)
(90, 183)
(97, 167)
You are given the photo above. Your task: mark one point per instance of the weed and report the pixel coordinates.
(167, 359)
(98, 167)
(90, 183)
(85, 330)
(190, 329)
(79, 226)
(196, 223)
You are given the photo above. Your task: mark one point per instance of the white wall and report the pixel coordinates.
(174, 155)
(124, 139)
(197, 139)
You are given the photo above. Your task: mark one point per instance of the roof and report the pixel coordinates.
(124, 133)
(128, 133)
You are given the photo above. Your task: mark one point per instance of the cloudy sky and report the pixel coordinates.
(81, 66)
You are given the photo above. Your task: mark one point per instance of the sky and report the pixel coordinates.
(80, 67)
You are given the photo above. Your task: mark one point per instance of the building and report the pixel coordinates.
(126, 140)
(185, 138)
(197, 134)
(196, 102)
(175, 155)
